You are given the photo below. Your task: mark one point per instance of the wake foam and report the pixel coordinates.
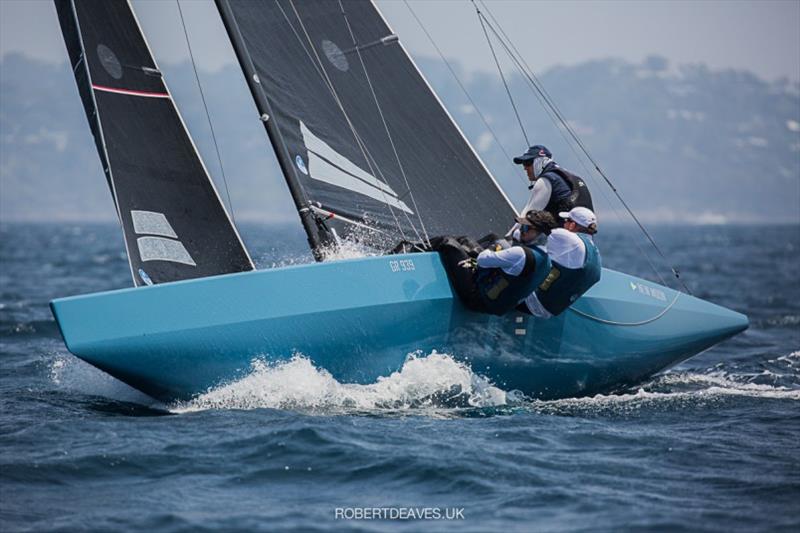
(349, 249)
(673, 391)
(437, 385)
(434, 381)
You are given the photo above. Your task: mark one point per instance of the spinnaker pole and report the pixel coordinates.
(318, 236)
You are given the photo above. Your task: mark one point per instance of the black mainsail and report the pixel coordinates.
(173, 220)
(357, 129)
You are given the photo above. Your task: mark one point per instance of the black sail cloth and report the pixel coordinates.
(174, 223)
(338, 146)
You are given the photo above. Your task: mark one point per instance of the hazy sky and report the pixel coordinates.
(762, 36)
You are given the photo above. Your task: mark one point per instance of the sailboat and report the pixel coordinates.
(369, 152)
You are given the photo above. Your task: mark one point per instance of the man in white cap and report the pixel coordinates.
(575, 264)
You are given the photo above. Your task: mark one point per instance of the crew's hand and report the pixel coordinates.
(469, 264)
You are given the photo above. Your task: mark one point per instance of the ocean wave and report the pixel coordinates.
(780, 321)
(28, 328)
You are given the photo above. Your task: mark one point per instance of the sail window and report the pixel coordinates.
(151, 223)
(335, 55)
(161, 249)
(109, 61)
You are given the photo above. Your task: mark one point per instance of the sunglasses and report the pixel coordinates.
(524, 227)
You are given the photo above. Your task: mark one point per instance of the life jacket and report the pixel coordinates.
(500, 292)
(563, 285)
(568, 190)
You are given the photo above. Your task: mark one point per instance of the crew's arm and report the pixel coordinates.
(540, 196)
(511, 260)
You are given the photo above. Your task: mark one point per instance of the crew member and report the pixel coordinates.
(504, 278)
(575, 265)
(553, 189)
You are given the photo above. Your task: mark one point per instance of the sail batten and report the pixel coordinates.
(151, 162)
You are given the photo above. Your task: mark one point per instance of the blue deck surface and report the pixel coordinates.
(359, 318)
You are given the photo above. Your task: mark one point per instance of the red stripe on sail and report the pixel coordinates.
(129, 92)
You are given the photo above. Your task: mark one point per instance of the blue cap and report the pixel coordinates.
(532, 153)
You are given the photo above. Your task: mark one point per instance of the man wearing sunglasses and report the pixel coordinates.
(502, 279)
(553, 189)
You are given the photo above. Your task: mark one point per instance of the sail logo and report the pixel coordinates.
(144, 277)
(335, 55)
(301, 164)
(159, 241)
(327, 165)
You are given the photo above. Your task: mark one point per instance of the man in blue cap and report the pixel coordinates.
(553, 189)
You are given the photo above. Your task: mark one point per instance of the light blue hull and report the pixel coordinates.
(358, 319)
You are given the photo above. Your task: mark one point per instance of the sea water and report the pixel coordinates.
(709, 445)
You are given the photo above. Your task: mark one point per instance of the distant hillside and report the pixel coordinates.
(680, 143)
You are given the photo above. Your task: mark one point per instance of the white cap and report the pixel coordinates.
(580, 215)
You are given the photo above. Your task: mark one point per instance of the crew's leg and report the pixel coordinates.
(452, 253)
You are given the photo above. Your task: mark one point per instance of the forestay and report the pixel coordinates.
(174, 223)
(359, 128)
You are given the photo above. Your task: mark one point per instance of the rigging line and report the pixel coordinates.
(208, 115)
(558, 123)
(385, 125)
(500, 70)
(466, 93)
(320, 68)
(640, 323)
(549, 114)
(560, 120)
(328, 85)
(500, 145)
(555, 120)
(559, 127)
(375, 169)
(399, 196)
(546, 95)
(589, 173)
(526, 71)
(566, 129)
(540, 89)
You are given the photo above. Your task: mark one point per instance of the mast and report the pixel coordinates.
(318, 235)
